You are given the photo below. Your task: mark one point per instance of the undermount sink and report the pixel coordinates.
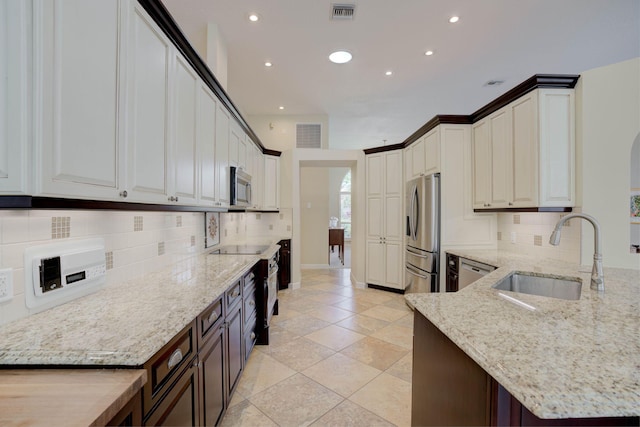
(554, 287)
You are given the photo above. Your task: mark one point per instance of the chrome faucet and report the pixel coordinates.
(597, 278)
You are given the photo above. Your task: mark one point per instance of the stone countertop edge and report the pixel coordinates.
(124, 324)
(560, 359)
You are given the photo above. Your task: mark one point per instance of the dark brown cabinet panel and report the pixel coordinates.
(179, 406)
(212, 385)
(453, 262)
(284, 264)
(130, 415)
(235, 339)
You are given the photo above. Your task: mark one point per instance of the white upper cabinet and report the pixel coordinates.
(77, 72)
(432, 152)
(184, 115)
(271, 193)
(206, 145)
(423, 156)
(235, 133)
(148, 142)
(524, 153)
(14, 146)
(222, 156)
(257, 183)
(418, 158)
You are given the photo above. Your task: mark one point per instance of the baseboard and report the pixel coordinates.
(354, 282)
(314, 266)
(294, 285)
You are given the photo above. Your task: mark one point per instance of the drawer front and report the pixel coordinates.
(234, 294)
(163, 366)
(208, 319)
(249, 303)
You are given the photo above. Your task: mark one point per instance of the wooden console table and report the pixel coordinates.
(336, 237)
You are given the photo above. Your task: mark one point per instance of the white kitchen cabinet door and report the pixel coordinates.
(234, 142)
(78, 72)
(408, 170)
(206, 145)
(222, 155)
(375, 175)
(501, 160)
(394, 267)
(14, 141)
(271, 193)
(148, 142)
(375, 218)
(393, 190)
(376, 265)
(557, 168)
(418, 158)
(242, 152)
(481, 155)
(184, 113)
(432, 152)
(524, 148)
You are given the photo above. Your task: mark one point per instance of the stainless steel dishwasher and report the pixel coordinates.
(470, 271)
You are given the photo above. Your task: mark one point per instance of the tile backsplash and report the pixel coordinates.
(136, 243)
(238, 227)
(531, 233)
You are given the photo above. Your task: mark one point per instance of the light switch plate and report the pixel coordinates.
(6, 284)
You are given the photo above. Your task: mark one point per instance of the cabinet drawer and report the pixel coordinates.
(249, 280)
(234, 294)
(249, 303)
(163, 366)
(208, 319)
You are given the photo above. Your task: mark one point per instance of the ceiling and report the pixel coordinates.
(505, 40)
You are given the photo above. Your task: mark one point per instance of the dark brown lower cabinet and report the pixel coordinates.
(235, 339)
(449, 388)
(284, 264)
(179, 406)
(212, 384)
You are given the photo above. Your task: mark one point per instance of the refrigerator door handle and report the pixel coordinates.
(414, 273)
(416, 254)
(414, 212)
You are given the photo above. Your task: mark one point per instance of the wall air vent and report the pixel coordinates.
(343, 12)
(308, 135)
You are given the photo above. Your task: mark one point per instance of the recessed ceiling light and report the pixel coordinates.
(254, 17)
(429, 53)
(281, 107)
(268, 64)
(388, 73)
(340, 57)
(454, 19)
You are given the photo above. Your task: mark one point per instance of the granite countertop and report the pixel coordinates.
(124, 324)
(559, 358)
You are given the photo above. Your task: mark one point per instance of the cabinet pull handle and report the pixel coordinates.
(124, 194)
(175, 359)
(252, 303)
(213, 316)
(176, 198)
(253, 335)
(235, 293)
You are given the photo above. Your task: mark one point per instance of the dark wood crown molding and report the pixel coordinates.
(436, 121)
(384, 148)
(269, 152)
(168, 25)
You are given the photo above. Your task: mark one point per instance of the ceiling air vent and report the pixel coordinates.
(308, 135)
(343, 12)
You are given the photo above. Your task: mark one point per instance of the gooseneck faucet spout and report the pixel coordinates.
(597, 277)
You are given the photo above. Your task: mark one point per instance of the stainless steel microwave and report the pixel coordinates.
(240, 192)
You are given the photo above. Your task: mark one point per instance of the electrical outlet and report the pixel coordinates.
(513, 237)
(6, 284)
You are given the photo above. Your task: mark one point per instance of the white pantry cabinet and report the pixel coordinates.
(78, 75)
(524, 153)
(206, 145)
(384, 219)
(271, 193)
(14, 146)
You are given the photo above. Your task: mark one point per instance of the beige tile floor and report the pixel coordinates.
(339, 356)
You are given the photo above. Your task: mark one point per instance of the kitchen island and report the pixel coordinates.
(560, 359)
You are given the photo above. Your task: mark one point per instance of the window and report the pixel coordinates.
(345, 205)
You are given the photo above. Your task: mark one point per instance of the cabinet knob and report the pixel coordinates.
(176, 198)
(124, 194)
(171, 198)
(510, 204)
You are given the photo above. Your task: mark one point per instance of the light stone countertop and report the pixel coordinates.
(124, 324)
(563, 359)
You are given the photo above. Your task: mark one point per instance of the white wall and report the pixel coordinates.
(608, 122)
(217, 54)
(336, 175)
(635, 184)
(278, 132)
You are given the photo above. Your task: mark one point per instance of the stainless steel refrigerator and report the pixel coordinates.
(422, 234)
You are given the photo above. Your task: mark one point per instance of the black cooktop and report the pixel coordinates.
(241, 250)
